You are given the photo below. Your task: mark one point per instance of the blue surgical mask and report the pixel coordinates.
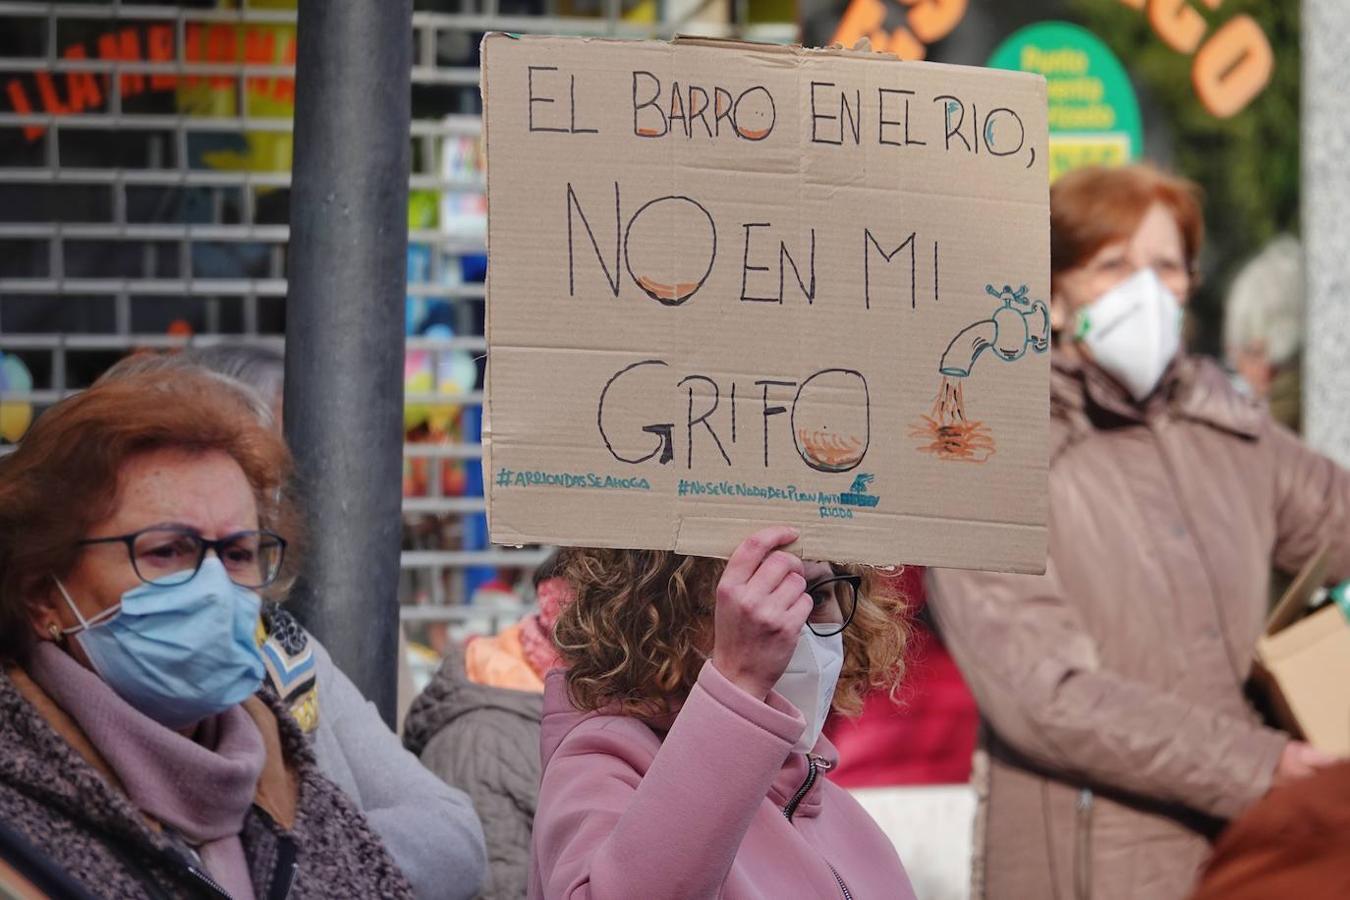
(178, 654)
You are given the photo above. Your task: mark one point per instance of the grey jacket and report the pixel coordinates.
(303, 838)
(486, 740)
(430, 828)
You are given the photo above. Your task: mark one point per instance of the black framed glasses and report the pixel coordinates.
(828, 618)
(168, 556)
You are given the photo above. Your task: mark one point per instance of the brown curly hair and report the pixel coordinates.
(641, 627)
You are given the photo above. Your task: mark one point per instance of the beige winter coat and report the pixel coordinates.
(1112, 687)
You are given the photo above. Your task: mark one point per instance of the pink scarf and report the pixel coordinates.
(201, 787)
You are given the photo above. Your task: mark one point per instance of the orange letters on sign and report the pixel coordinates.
(159, 41)
(81, 87)
(221, 48)
(933, 20)
(19, 100)
(192, 50)
(123, 46)
(1177, 24)
(929, 20)
(51, 101)
(283, 89)
(260, 48)
(1232, 67)
(903, 44)
(861, 19)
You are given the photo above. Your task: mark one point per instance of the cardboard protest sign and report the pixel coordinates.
(734, 285)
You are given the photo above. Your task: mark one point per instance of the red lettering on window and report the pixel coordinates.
(283, 89)
(260, 48)
(159, 43)
(18, 98)
(221, 47)
(123, 46)
(192, 50)
(51, 101)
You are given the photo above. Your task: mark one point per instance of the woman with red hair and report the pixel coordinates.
(141, 523)
(1118, 733)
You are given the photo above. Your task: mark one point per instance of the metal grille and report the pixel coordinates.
(144, 173)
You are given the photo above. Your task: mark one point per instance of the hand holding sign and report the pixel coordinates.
(725, 284)
(761, 606)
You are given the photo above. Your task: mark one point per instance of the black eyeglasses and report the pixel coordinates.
(171, 556)
(828, 619)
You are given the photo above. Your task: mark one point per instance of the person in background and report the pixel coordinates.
(477, 726)
(1263, 327)
(429, 827)
(1119, 736)
(926, 735)
(261, 367)
(681, 744)
(520, 656)
(907, 755)
(139, 521)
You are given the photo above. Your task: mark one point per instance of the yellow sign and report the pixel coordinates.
(1074, 151)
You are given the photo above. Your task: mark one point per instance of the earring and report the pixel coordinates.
(54, 630)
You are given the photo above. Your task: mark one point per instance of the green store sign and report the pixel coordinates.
(1094, 115)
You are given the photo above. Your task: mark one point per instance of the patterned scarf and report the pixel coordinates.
(536, 631)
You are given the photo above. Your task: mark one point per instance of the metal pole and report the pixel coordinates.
(344, 326)
(1326, 192)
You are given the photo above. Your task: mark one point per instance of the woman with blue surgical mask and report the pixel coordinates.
(1119, 733)
(428, 826)
(140, 524)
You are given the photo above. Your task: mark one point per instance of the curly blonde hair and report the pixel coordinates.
(641, 627)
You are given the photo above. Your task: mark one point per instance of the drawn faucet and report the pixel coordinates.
(1018, 323)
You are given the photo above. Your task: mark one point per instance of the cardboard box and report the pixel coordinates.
(733, 285)
(1303, 663)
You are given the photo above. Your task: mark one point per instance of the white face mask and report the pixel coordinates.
(809, 680)
(1133, 331)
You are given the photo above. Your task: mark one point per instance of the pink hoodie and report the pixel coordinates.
(701, 813)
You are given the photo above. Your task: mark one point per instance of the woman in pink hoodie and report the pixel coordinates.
(681, 743)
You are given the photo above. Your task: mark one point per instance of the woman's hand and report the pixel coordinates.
(761, 606)
(1299, 760)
